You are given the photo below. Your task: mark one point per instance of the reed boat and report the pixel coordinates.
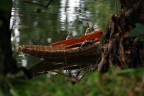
(65, 49)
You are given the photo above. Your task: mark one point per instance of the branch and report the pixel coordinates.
(48, 4)
(34, 3)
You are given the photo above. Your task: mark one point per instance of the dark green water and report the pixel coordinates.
(31, 27)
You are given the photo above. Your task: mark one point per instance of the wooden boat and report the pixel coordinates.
(64, 49)
(95, 36)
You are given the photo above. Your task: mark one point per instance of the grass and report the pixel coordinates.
(128, 82)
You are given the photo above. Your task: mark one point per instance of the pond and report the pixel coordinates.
(32, 24)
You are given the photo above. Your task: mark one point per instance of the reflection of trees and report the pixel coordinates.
(101, 10)
(46, 24)
(41, 25)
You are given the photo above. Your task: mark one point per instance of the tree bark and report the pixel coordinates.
(5, 37)
(7, 62)
(118, 48)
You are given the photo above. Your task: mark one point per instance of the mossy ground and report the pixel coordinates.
(127, 82)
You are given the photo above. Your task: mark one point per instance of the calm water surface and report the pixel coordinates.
(31, 27)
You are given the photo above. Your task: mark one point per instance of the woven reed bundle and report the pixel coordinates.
(49, 52)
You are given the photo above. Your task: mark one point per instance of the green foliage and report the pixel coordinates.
(101, 11)
(138, 31)
(5, 5)
(113, 83)
(1, 93)
(1, 23)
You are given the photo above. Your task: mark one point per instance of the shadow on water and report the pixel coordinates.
(31, 27)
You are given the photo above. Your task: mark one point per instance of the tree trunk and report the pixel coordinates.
(7, 62)
(118, 47)
(5, 36)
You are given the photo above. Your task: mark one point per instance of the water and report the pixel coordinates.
(31, 27)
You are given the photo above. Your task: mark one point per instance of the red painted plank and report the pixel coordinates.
(92, 36)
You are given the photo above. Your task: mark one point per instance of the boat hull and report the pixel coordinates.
(55, 52)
